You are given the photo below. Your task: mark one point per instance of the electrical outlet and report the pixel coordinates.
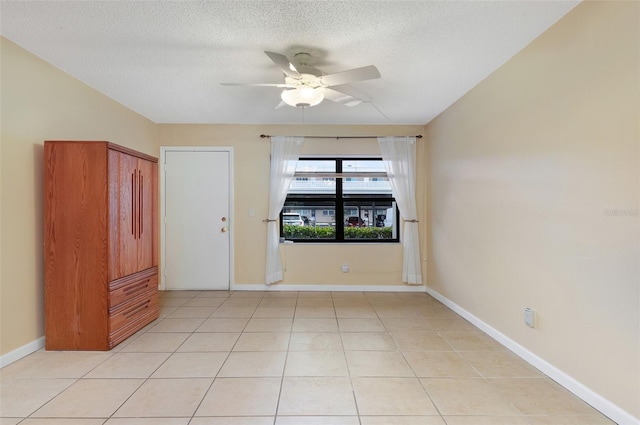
(345, 268)
(530, 317)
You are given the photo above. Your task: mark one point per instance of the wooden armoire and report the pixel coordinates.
(100, 244)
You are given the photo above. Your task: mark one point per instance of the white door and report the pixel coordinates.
(196, 222)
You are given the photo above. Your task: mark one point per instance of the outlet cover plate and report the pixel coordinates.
(530, 317)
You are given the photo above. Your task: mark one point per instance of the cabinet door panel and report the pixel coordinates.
(126, 258)
(145, 218)
(114, 214)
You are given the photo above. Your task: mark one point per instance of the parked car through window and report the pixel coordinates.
(294, 219)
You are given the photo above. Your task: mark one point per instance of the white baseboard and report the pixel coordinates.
(333, 288)
(21, 352)
(592, 398)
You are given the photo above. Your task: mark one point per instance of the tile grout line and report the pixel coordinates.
(155, 370)
(204, 396)
(284, 368)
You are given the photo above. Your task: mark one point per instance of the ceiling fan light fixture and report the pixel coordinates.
(303, 97)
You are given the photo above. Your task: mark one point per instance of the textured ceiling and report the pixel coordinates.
(166, 59)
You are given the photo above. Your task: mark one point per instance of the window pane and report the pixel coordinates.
(370, 220)
(364, 185)
(314, 185)
(362, 166)
(309, 219)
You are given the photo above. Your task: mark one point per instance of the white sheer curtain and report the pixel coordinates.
(399, 158)
(285, 151)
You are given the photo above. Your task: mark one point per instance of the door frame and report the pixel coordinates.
(231, 225)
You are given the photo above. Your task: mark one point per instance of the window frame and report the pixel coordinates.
(338, 199)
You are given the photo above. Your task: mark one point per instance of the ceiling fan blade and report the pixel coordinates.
(351, 91)
(340, 97)
(345, 77)
(280, 105)
(284, 64)
(346, 95)
(256, 84)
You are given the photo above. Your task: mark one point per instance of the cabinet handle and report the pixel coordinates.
(133, 206)
(141, 207)
(137, 203)
(137, 287)
(136, 309)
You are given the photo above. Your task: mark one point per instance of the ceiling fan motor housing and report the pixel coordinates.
(302, 58)
(303, 96)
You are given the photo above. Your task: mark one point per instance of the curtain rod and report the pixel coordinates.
(262, 136)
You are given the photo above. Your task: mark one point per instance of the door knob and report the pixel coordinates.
(223, 230)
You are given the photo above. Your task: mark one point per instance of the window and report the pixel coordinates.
(340, 200)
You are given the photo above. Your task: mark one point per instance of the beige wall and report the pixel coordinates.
(535, 197)
(40, 102)
(304, 264)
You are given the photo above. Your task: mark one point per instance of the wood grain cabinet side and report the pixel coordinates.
(100, 243)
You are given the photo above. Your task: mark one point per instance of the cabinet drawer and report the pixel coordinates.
(134, 313)
(125, 332)
(132, 286)
(129, 328)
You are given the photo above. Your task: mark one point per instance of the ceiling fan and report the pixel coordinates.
(305, 86)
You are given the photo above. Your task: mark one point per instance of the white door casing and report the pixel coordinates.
(196, 213)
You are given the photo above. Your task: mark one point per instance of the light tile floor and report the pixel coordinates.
(291, 358)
